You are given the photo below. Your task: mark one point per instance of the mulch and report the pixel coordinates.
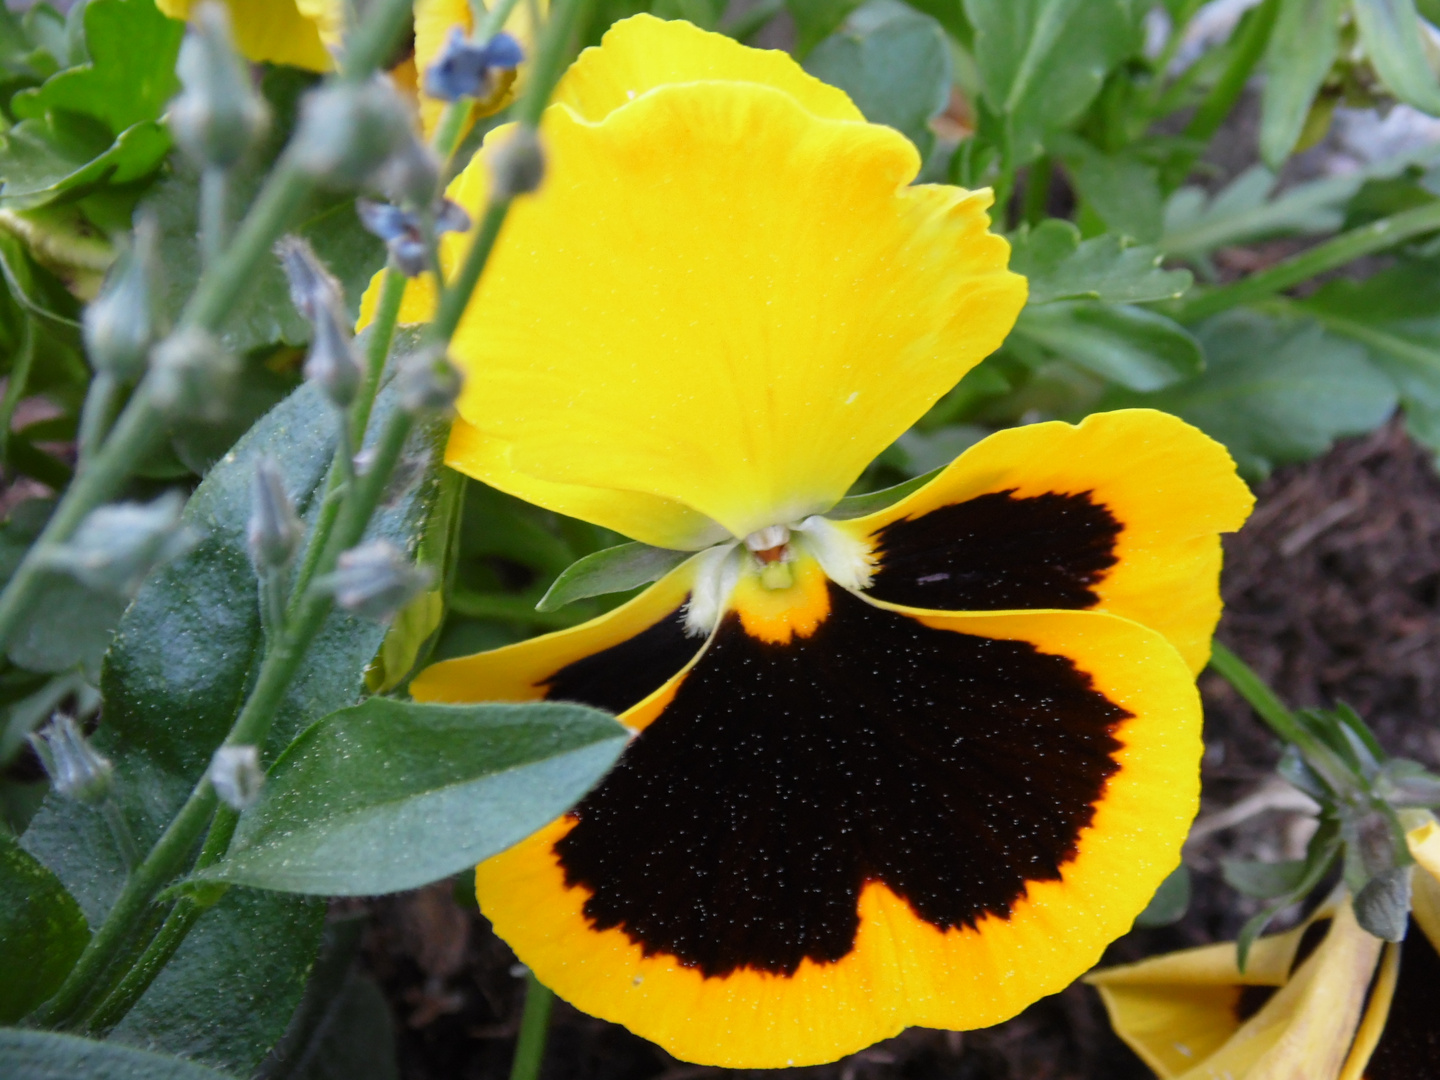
(1332, 592)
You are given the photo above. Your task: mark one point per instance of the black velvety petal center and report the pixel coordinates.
(623, 675)
(998, 552)
(740, 827)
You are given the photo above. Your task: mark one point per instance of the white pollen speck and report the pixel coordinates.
(851, 399)
(630, 94)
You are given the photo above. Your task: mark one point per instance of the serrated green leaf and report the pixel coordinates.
(41, 160)
(1302, 49)
(1275, 392)
(1119, 188)
(173, 680)
(1392, 37)
(131, 72)
(49, 1055)
(1135, 348)
(615, 569)
(1041, 62)
(1170, 902)
(391, 795)
(42, 931)
(1060, 266)
(1263, 880)
(895, 65)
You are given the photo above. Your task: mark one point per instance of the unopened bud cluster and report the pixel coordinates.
(219, 116)
(116, 547)
(376, 580)
(192, 375)
(236, 775)
(348, 133)
(124, 320)
(75, 768)
(428, 382)
(331, 362)
(275, 530)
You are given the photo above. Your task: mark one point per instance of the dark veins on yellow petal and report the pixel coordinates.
(1409, 1047)
(739, 828)
(997, 552)
(623, 675)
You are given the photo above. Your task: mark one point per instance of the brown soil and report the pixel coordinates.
(1333, 592)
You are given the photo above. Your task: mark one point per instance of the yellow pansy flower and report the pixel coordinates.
(916, 767)
(300, 33)
(1325, 1001)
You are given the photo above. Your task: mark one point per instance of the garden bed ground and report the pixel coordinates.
(1333, 591)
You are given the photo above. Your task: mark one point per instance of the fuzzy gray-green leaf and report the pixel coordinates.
(612, 570)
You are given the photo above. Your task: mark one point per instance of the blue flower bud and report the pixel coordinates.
(375, 580)
(312, 287)
(331, 362)
(75, 768)
(123, 321)
(219, 116)
(192, 376)
(404, 232)
(275, 530)
(116, 547)
(236, 775)
(348, 133)
(428, 382)
(467, 69)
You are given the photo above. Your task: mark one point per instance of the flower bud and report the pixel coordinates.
(275, 530)
(428, 382)
(411, 175)
(517, 165)
(312, 286)
(467, 69)
(236, 775)
(192, 375)
(404, 232)
(117, 546)
(347, 133)
(331, 363)
(76, 769)
(123, 321)
(375, 580)
(218, 116)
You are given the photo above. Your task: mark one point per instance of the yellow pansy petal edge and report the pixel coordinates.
(294, 32)
(901, 970)
(1150, 489)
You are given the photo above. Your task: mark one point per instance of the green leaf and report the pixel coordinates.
(173, 680)
(1393, 39)
(1170, 902)
(131, 73)
(1303, 48)
(1131, 346)
(1041, 62)
(1263, 880)
(615, 569)
(358, 1042)
(1122, 190)
(69, 624)
(858, 506)
(816, 20)
(1276, 392)
(951, 15)
(64, 153)
(1060, 266)
(391, 795)
(895, 65)
(265, 315)
(48, 1055)
(42, 931)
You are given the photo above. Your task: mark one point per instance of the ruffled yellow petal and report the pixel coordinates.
(899, 969)
(1136, 498)
(294, 32)
(740, 323)
(641, 53)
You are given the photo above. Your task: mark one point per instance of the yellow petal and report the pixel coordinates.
(642, 52)
(738, 324)
(1121, 513)
(737, 1002)
(294, 32)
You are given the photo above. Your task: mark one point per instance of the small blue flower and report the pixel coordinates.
(463, 68)
(404, 232)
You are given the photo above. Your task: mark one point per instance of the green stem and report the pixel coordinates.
(96, 416)
(214, 213)
(1366, 240)
(456, 296)
(1037, 191)
(1254, 35)
(120, 830)
(17, 384)
(534, 1027)
(374, 40)
(494, 20)
(377, 349)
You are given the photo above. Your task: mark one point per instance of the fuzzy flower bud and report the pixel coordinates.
(331, 363)
(76, 769)
(192, 375)
(467, 69)
(348, 133)
(312, 286)
(236, 775)
(517, 165)
(411, 175)
(275, 530)
(117, 546)
(218, 116)
(123, 321)
(404, 232)
(428, 382)
(375, 580)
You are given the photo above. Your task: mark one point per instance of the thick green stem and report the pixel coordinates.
(214, 213)
(377, 349)
(456, 296)
(1346, 248)
(534, 1028)
(96, 416)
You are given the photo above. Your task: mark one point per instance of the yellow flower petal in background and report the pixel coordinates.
(740, 323)
(295, 32)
